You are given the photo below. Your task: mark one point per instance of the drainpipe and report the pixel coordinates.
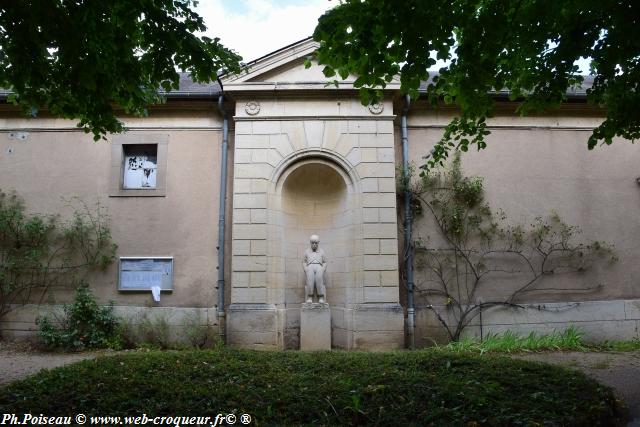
(408, 251)
(222, 214)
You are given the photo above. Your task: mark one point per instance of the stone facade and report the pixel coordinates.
(311, 166)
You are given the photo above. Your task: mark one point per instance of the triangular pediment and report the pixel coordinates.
(285, 66)
(291, 72)
(285, 69)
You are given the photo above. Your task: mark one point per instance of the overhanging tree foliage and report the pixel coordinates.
(528, 47)
(78, 59)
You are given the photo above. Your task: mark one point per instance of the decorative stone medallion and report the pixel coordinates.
(252, 108)
(376, 108)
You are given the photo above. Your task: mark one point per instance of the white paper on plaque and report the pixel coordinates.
(155, 291)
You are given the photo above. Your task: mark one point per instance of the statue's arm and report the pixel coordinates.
(305, 262)
(324, 262)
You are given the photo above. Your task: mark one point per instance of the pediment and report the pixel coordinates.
(285, 69)
(292, 72)
(285, 66)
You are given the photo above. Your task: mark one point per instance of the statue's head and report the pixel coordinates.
(315, 241)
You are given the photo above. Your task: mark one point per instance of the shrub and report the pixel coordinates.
(321, 388)
(84, 324)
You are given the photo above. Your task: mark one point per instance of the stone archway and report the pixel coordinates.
(332, 177)
(314, 196)
(315, 201)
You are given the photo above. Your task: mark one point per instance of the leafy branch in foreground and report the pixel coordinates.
(526, 49)
(476, 249)
(80, 60)
(39, 253)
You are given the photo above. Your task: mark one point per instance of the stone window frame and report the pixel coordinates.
(117, 165)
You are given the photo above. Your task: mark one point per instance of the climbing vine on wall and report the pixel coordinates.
(39, 253)
(474, 248)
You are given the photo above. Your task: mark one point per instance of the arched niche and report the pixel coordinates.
(314, 195)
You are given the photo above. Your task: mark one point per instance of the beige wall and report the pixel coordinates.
(531, 167)
(50, 166)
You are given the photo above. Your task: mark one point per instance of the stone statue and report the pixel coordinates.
(314, 265)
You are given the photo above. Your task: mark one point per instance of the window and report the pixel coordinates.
(138, 165)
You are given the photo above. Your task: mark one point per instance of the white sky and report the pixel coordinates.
(254, 28)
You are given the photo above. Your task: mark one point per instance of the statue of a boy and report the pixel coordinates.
(314, 265)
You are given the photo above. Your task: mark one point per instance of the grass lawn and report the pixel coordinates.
(328, 388)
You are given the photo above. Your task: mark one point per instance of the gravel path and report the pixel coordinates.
(620, 370)
(19, 360)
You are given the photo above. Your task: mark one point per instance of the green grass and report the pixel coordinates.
(510, 342)
(327, 388)
(620, 345)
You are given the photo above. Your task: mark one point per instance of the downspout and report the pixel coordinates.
(408, 251)
(222, 215)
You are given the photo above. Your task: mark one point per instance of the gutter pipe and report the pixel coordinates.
(408, 247)
(222, 214)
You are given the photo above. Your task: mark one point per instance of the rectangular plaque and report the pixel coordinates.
(142, 273)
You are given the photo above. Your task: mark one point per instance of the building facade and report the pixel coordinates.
(306, 158)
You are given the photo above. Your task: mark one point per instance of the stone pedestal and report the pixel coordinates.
(315, 326)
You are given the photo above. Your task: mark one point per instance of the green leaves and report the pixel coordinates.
(328, 71)
(475, 248)
(526, 47)
(85, 324)
(88, 60)
(325, 388)
(39, 253)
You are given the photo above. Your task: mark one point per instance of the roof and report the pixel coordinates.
(573, 92)
(187, 89)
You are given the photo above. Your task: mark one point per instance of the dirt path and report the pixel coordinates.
(19, 361)
(619, 370)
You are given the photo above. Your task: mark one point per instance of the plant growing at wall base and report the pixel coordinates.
(39, 253)
(475, 247)
(154, 331)
(512, 342)
(84, 324)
